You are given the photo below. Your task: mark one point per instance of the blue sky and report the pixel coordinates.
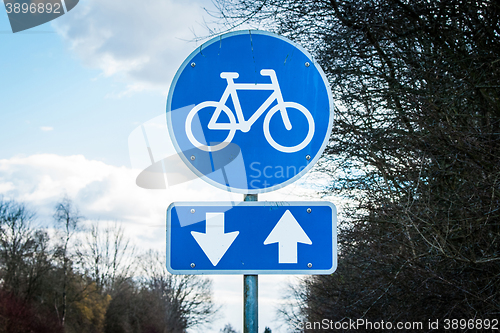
(71, 93)
(51, 102)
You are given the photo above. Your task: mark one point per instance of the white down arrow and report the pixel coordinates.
(287, 233)
(214, 242)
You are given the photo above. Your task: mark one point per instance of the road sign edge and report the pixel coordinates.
(169, 236)
(258, 272)
(313, 160)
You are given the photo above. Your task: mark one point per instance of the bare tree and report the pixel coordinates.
(67, 220)
(228, 328)
(25, 271)
(415, 147)
(185, 300)
(24, 254)
(107, 255)
(159, 301)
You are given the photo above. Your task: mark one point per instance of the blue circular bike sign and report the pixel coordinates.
(250, 111)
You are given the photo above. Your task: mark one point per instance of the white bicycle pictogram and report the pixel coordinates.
(245, 125)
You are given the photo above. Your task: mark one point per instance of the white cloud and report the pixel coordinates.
(143, 41)
(99, 190)
(40, 180)
(46, 128)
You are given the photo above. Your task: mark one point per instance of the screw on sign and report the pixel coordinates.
(256, 94)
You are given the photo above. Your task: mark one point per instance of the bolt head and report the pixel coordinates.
(193, 265)
(193, 157)
(193, 64)
(192, 211)
(308, 64)
(309, 265)
(309, 210)
(308, 157)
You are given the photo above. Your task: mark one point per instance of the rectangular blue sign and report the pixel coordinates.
(252, 238)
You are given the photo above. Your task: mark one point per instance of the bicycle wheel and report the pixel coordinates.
(305, 142)
(231, 127)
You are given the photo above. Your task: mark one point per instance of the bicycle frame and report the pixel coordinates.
(232, 90)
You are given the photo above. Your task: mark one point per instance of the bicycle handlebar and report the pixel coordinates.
(268, 72)
(229, 75)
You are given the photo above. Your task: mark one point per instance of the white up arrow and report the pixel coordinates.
(287, 233)
(214, 242)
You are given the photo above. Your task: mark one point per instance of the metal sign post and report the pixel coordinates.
(250, 303)
(250, 293)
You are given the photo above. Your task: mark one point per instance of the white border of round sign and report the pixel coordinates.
(313, 160)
